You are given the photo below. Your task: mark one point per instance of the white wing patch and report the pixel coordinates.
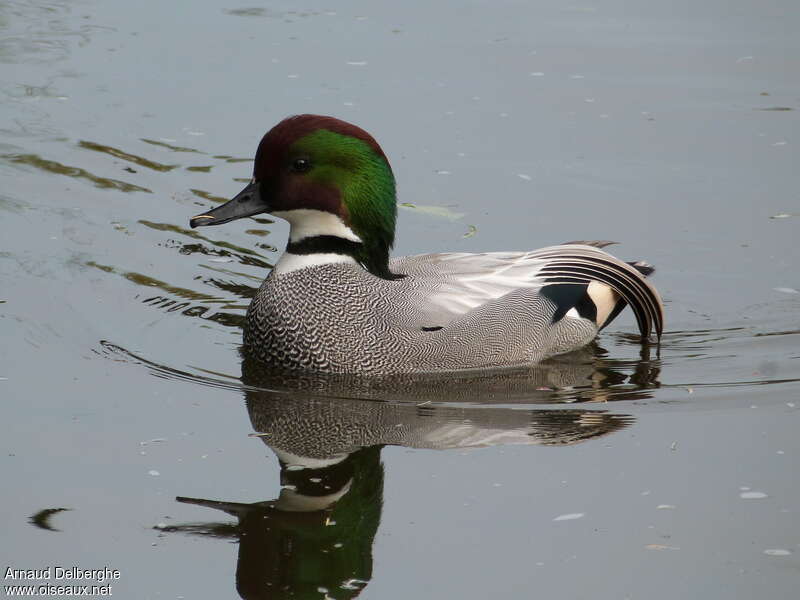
(461, 282)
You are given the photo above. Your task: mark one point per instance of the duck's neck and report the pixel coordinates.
(319, 238)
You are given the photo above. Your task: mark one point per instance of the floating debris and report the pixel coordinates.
(665, 506)
(524, 176)
(153, 473)
(471, 231)
(436, 211)
(752, 495)
(153, 441)
(570, 517)
(777, 552)
(784, 215)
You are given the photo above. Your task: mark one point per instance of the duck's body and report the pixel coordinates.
(336, 303)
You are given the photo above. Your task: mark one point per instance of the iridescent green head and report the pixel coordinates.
(331, 181)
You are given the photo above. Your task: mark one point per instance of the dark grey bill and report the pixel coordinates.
(246, 203)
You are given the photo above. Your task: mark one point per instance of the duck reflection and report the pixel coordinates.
(586, 375)
(315, 539)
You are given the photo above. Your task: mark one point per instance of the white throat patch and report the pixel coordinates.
(306, 222)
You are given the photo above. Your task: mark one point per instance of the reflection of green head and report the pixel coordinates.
(294, 554)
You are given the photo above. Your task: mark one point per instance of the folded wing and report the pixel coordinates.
(456, 283)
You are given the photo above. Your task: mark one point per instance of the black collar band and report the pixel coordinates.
(325, 244)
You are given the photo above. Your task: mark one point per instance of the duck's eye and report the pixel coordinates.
(301, 165)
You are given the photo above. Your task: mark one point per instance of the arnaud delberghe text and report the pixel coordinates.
(63, 574)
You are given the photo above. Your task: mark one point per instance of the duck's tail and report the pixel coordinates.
(611, 284)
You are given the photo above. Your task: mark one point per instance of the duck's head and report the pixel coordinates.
(330, 180)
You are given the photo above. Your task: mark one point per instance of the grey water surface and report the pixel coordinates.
(135, 438)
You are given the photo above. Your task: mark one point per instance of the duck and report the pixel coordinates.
(336, 302)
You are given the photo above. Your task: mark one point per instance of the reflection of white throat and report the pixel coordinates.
(305, 223)
(291, 501)
(308, 462)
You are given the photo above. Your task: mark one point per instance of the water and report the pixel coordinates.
(671, 129)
